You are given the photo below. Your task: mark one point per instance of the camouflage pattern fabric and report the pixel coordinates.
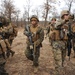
(13, 34)
(59, 51)
(38, 36)
(29, 55)
(73, 37)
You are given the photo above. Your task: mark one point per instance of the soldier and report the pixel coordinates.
(13, 31)
(37, 35)
(6, 32)
(73, 31)
(60, 41)
(52, 26)
(73, 36)
(2, 52)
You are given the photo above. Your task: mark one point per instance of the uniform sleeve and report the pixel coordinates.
(41, 35)
(25, 32)
(59, 23)
(48, 29)
(41, 38)
(7, 29)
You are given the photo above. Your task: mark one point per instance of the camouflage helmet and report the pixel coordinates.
(64, 12)
(53, 19)
(34, 17)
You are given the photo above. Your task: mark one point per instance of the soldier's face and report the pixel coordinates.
(66, 16)
(34, 22)
(53, 21)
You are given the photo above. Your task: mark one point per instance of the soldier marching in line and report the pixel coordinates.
(3, 50)
(6, 31)
(37, 34)
(50, 29)
(73, 32)
(13, 31)
(60, 41)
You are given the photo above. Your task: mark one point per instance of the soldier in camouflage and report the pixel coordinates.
(50, 29)
(73, 32)
(13, 31)
(60, 43)
(2, 51)
(6, 31)
(37, 34)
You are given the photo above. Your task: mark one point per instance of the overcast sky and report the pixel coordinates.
(35, 3)
(21, 3)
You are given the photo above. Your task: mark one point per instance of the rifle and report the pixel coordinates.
(69, 45)
(32, 45)
(27, 28)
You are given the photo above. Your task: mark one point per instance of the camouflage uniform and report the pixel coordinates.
(13, 32)
(37, 38)
(6, 31)
(52, 26)
(60, 43)
(73, 37)
(2, 51)
(73, 31)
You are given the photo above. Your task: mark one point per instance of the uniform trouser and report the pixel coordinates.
(73, 41)
(73, 45)
(59, 50)
(31, 56)
(7, 43)
(8, 48)
(10, 41)
(2, 64)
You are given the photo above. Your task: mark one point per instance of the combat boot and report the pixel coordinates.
(4, 74)
(35, 69)
(8, 54)
(12, 53)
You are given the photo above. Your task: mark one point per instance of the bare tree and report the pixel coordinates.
(25, 16)
(17, 17)
(37, 11)
(47, 7)
(27, 9)
(8, 8)
(69, 4)
(45, 13)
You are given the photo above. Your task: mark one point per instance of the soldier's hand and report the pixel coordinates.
(28, 34)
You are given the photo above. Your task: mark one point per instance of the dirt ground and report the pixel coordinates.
(20, 65)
